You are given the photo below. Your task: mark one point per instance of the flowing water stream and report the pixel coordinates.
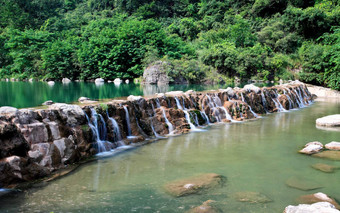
(257, 155)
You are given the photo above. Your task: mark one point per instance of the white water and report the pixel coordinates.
(127, 117)
(170, 126)
(94, 128)
(251, 110)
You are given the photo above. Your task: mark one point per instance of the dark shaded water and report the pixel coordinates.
(31, 94)
(258, 155)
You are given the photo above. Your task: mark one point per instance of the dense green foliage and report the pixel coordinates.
(201, 39)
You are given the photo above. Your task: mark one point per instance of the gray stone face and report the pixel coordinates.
(73, 114)
(54, 128)
(156, 74)
(8, 110)
(35, 133)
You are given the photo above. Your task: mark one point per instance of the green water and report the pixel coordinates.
(31, 94)
(258, 155)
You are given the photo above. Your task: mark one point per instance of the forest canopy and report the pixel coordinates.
(218, 40)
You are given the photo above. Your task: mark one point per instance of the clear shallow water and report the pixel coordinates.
(31, 94)
(258, 155)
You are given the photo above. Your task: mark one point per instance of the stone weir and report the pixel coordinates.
(34, 143)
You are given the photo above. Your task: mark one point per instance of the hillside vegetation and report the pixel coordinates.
(203, 40)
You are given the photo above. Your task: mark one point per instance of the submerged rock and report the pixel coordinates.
(324, 167)
(321, 207)
(252, 197)
(193, 185)
(317, 197)
(302, 184)
(333, 145)
(330, 120)
(312, 147)
(206, 207)
(329, 154)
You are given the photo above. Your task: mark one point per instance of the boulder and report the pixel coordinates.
(65, 80)
(99, 80)
(194, 184)
(252, 87)
(252, 197)
(8, 110)
(12, 142)
(156, 73)
(127, 81)
(333, 146)
(134, 98)
(321, 207)
(324, 167)
(46, 154)
(317, 197)
(329, 154)
(206, 207)
(82, 99)
(302, 184)
(330, 120)
(311, 148)
(67, 149)
(50, 83)
(73, 114)
(46, 103)
(35, 133)
(117, 81)
(54, 129)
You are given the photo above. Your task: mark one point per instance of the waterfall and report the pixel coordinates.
(187, 116)
(215, 103)
(264, 102)
(127, 117)
(251, 110)
(153, 108)
(277, 103)
(204, 115)
(95, 130)
(154, 131)
(170, 126)
(116, 130)
(178, 104)
(102, 128)
(183, 103)
(157, 103)
(288, 97)
(196, 120)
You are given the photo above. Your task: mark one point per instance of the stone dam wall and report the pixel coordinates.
(35, 143)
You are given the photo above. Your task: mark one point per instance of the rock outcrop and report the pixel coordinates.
(156, 73)
(329, 121)
(44, 140)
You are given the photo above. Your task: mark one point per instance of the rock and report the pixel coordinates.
(82, 99)
(50, 83)
(324, 167)
(8, 110)
(65, 80)
(31, 80)
(134, 98)
(72, 113)
(127, 81)
(35, 133)
(332, 155)
(311, 148)
(67, 149)
(323, 92)
(193, 185)
(317, 197)
(206, 207)
(48, 155)
(333, 145)
(54, 129)
(252, 87)
(12, 142)
(330, 120)
(156, 73)
(252, 197)
(174, 93)
(160, 95)
(99, 80)
(321, 207)
(117, 81)
(302, 184)
(46, 103)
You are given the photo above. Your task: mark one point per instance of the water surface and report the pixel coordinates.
(258, 155)
(31, 94)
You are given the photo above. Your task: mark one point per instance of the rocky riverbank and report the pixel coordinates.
(36, 143)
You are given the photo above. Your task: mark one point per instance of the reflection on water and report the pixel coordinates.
(258, 155)
(30, 94)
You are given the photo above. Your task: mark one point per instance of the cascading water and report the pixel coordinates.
(158, 103)
(127, 117)
(95, 130)
(206, 118)
(116, 130)
(264, 102)
(215, 104)
(170, 126)
(251, 110)
(178, 104)
(187, 116)
(288, 97)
